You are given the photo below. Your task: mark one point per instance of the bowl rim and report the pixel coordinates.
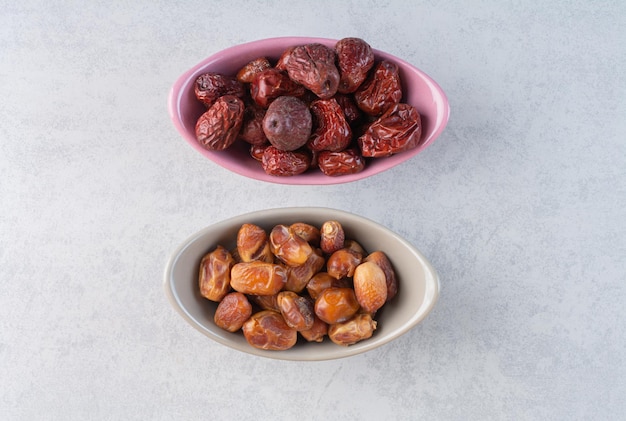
(177, 90)
(432, 284)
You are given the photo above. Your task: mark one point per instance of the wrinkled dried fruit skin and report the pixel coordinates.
(256, 151)
(252, 126)
(214, 277)
(381, 259)
(282, 60)
(317, 332)
(232, 311)
(350, 110)
(258, 278)
(308, 232)
(297, 311)
(332, 132)
(288, 247)
(336, 305)
(271, 84)
(322, 280)
(354, 59)
(219, 126)
(335, 164)
(313, 66)
(370, 286)
(399, 129)
(253, 244)
(299, 276)
(247, 73)
(342, 263)
(267, 330)
(284, 163)
(287, 123)
(360, 327)
(265, 302)
(332, 237)
(210, 86)
(381, 90)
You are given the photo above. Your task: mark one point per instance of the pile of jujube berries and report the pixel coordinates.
(297, 280)
(315, 107)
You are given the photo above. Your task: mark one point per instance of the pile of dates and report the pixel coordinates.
(315, 107)
(296, 281)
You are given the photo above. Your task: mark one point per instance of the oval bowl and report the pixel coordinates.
(419, 89)
(418, 288)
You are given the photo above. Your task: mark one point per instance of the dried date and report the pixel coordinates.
(360, 327)
(232, 311)
(252, 126)
(336, 305)
(253, 244)
(268, 330)
(370, 286)
(297, 310)
(288, 247)
(214, 276)
(258, 278)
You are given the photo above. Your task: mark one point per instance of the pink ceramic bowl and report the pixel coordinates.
(419, 90)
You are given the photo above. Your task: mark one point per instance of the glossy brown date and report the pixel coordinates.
(258, 278)
(342, 263)
(297, 310)
(268, 330)
(299, 276)
(317, 332)
(370, 286)
(322, 280)
(288, 247)
(336, 305)
(253, 244)
(381, 259)
(332, 237)
(358, 328)
(214, 276)
(310, 233)
(232, 311)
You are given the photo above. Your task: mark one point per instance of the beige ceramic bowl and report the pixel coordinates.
(418, 281)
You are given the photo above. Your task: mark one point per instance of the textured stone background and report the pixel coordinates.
(520, 205)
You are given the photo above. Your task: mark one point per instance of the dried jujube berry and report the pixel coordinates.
(399, 129)
(287, 123)
(219, 126)
(209, 87)
(313, 66)
(355, 58)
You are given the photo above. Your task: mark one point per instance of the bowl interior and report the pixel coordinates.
(418, 281)
(419, 90)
